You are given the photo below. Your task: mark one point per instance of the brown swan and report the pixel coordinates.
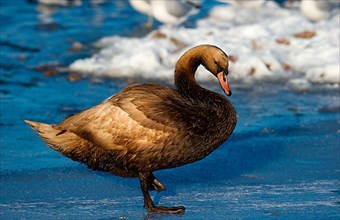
(150, 127)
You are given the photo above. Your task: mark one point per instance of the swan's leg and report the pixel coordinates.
(148, 203)
(154, 183)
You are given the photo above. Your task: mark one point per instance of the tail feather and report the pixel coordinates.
(71, 145)
(65, 142)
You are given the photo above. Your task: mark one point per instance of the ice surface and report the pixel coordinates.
(281, 162)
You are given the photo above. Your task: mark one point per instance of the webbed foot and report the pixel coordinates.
(167, 210)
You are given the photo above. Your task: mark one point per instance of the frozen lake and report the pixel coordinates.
(282, 161)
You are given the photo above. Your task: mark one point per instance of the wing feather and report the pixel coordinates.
(120, 124)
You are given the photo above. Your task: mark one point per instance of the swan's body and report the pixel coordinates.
(150, 127)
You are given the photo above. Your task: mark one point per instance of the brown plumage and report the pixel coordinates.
(150, 127)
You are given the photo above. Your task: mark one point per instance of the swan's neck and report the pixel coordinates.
(185, 81)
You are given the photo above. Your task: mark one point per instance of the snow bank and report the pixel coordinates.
(266, 43)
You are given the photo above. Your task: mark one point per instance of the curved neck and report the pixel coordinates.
(185, 71)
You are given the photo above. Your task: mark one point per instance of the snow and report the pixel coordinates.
(268, 43)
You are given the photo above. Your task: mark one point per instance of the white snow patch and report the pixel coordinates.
(263, 43)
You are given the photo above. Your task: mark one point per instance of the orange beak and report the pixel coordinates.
(222, 78)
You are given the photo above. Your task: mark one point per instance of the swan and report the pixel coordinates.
(149, 127)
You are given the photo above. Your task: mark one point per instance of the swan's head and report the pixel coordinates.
(217, 62)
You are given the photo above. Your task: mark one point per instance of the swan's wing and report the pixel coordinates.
(120, 122)
(157, 107)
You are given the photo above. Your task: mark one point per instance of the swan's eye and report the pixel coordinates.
(225, 74)
(219, 68)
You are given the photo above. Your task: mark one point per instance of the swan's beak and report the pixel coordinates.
(222, 78)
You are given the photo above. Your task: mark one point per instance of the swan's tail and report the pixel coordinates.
(65, 142)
